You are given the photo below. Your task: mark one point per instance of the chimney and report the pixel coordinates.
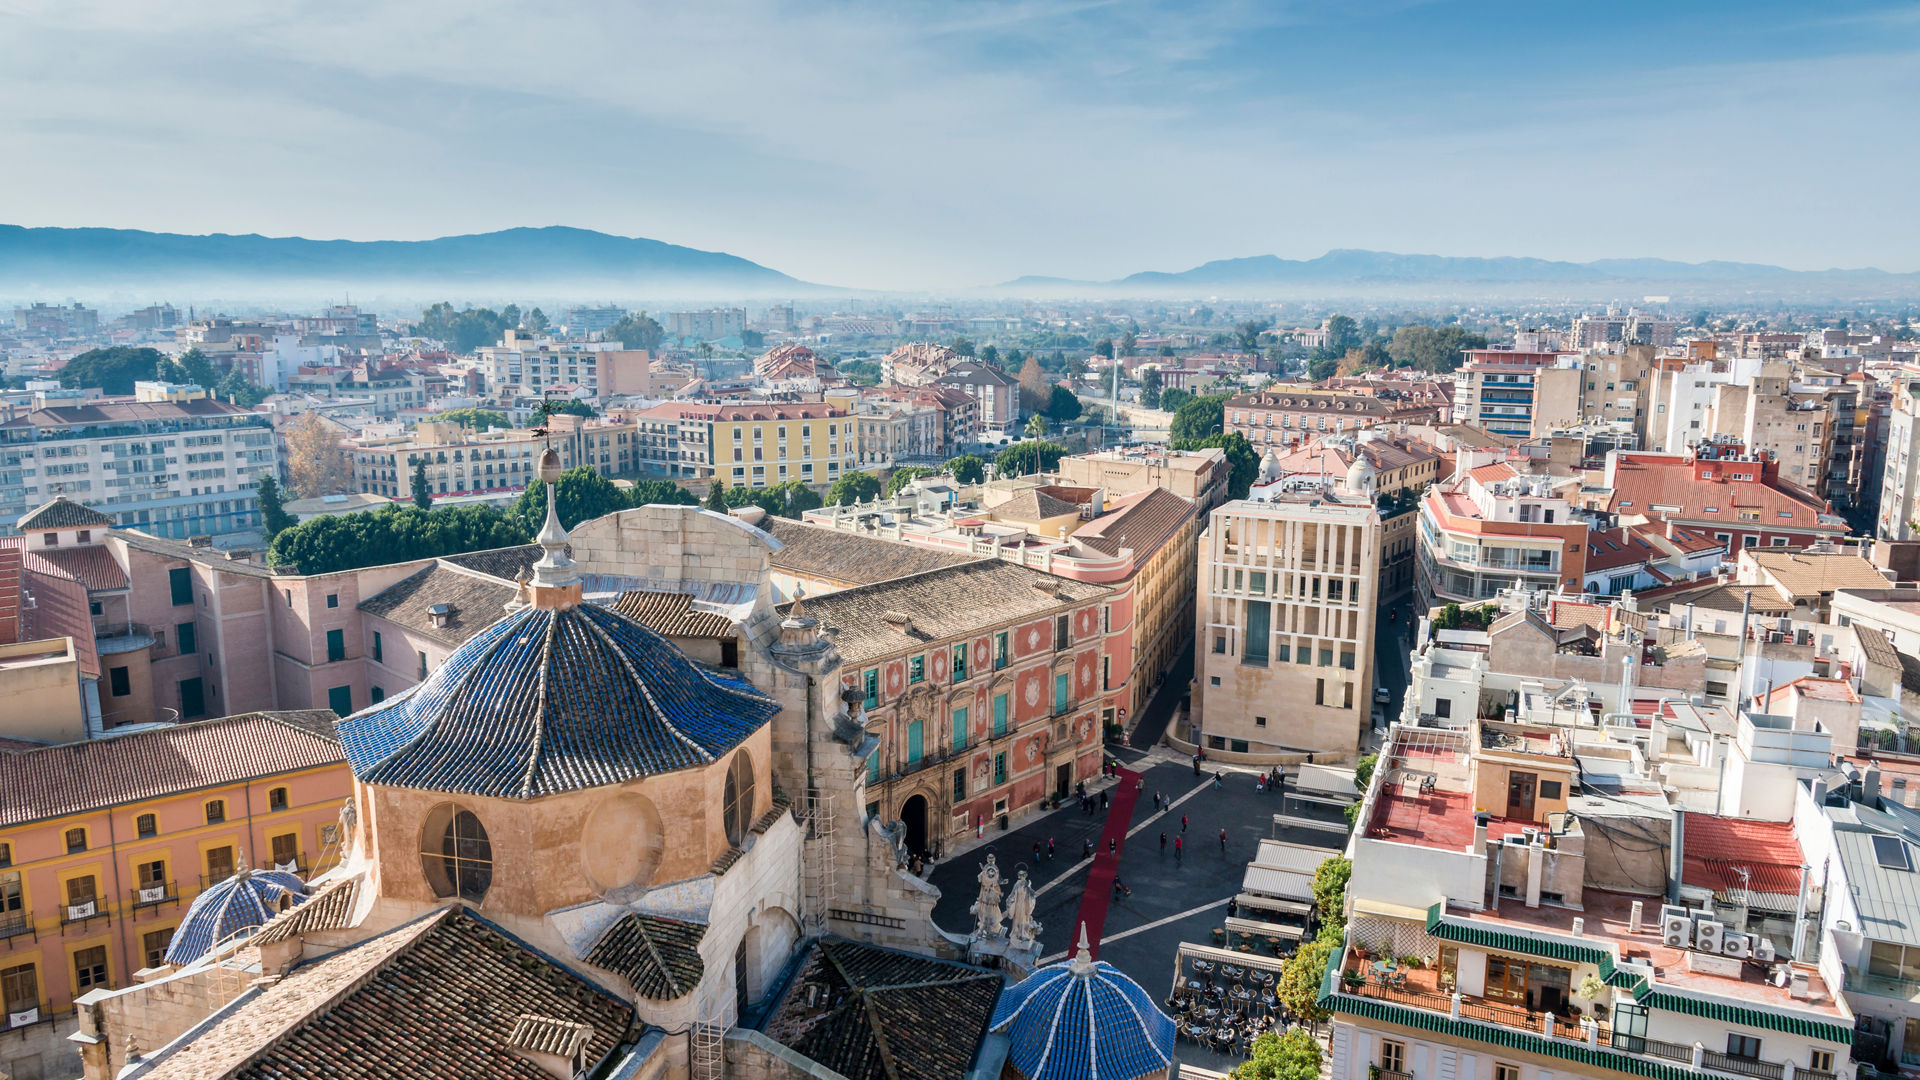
(899, 621)
(1676, 856)
(200, 541)
(239, 555)
(1820, 791)
(1635, 912)
(1870, 785)
(441, 615)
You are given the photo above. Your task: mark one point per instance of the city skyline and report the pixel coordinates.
(922, 148)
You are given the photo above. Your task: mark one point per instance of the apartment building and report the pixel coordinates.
(1900, 477)
(1555, 934)
(388, 390)
(1738, 500)
(1284, 620)
(981, 682)
(894, 433)
(104, 845)
(671, 438)
(460, 461)
(709, 325)
(996, 392)
(1498, 524)
(1289, 416)
(531, 364)
(1198, 476)
(957, 412)
(168, 459)
(588, 321)
(1770, 415)
(759, 445)
(1508, 391)
(918, 363)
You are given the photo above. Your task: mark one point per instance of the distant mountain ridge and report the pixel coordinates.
(1361, 269)
(57, 259)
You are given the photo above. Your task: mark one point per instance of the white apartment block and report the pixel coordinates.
(168, 459)
(1285, 619)
(1900, 480)
(524, 363)
(464, 462)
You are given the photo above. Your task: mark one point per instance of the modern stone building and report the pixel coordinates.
(1285, 618)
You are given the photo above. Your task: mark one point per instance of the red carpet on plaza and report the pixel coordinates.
(1093, 903)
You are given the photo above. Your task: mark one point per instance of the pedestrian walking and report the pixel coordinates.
(1163, 842)
(1223, 841)
(1183, 823)
(1113, 844)
(1049, 849)
(1103, 800)
(1036, 851)
(1217, 785)
(1178, 844)
(1086, 848)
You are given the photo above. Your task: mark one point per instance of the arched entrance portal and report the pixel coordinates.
(913, 814)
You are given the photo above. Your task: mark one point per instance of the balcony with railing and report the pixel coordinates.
(153, 896)
(1422, 988)
(297, 866)
(81, 912)
(14, 926)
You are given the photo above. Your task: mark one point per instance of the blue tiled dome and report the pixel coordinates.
(548, 700)
(1083, 1020)
(244, 901)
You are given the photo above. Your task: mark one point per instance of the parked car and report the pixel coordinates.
(1380, 696)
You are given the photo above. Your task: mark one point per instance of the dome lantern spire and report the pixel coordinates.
(556, 580)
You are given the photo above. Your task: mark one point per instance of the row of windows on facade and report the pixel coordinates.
(1290, 586)
(917, 665)
(148, 825)
(1257, 653)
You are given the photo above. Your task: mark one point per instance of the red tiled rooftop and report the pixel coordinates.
(1735, 853)
(1808, 686)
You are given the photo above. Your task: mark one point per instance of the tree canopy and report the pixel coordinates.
(468, 328)
(568, 407)
(392, 534)
(583, 494)
(1294, 1055)
(1432, 348)
(273, 516)
(475, 419)
(907, 474)
(1196, 418)
(114, 370)
(1150, 388)
(637, 331)
(420, 486)
(967, 469)
(856, 486)
(1063, 405)
(1027, 457)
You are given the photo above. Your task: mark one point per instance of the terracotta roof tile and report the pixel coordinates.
(475, 602)
(63, 514)
(1725, 854)
(848, 558)
(1033, 505)
(659, 957)
(329, 909)
(91, 775)
(948, 603)
(1142, 522)
(672, 615)
(503, 563)
(1808, 573)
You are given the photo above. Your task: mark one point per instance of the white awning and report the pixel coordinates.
(1274, 882)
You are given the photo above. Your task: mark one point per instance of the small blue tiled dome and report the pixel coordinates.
(244, 901)
(1083, 1020)
(550, 700)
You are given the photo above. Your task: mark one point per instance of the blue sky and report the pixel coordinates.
(931, 145)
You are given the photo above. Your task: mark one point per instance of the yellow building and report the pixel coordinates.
(760, 445)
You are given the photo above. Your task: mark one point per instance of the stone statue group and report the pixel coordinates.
(987, 918)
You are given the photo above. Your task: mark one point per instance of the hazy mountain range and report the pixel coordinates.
(1352, 271)
(560, 261)
(549, 261)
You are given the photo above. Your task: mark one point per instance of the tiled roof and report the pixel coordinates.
(92, 565)
(976, 372)
(782, 410)
(1878, 650)
(60, 608)
(118, 769)
(1807, 573)
(671, 614)
(1033, 505)
(1641, 483)
(870, 1013)
(1610, 549)
(1096, 1024)
(849, 558)
(440, 996)
(546, 1035)
(503, 563)
(1141, 522)
(1327, 401)
(1725, 853)
(948, 603)
(62, 513)
(545, 701)
(1718, 597)
(1806, 686)
(108, 411)
(176, 549)
(659, 957)
(245, 901)
(330, 908)
(475, 602)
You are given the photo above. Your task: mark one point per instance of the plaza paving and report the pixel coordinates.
(1172, 901)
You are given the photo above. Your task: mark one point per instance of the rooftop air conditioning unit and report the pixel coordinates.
(1707, 934)
(1737, 944)
(1676, 931)
(1763, 950)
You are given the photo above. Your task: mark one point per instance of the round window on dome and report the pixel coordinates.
(455, 853)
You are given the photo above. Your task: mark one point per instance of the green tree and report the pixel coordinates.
(989, 355)
(1166, 350)
(581, 495)
(1063, 405)
(660, 492)
(1243, 459)
(907, 474)
(422, 488)
(474, 419)
(854, 487)
(1342, 334)
(1024, 458)
(236, 389)
(1430, 348)
(1037, 425)
(1246, 335)
(962, 346)
(535, 321)
(967, 469)
(197, 369)
(466, 329)
(1301, 974)
(1363, 772)
(1150, 388)
(273, 516)
(1103, 347)
(1274, 1056)
(568, 407)
(1322, 367)
(114, 370)
(1129, 343)
(796, 498)
(1199, 417)
(752, 339)
(717, 495)
(336, 542)
(1173, 397)
(1330, 888)
(637, 331)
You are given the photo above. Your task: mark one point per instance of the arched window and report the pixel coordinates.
(738, 805)
(455, 853)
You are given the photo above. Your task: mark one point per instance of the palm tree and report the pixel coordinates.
(1037, 426)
